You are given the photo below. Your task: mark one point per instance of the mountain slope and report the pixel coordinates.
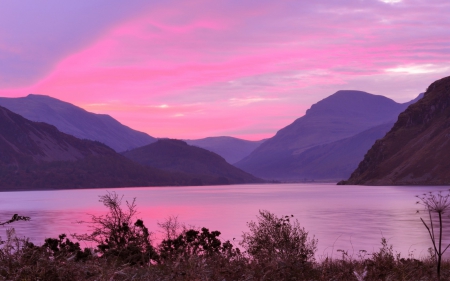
(231, 149)
(341, 115)
(35, 155)
(76, 121)
(336, 160)
(416, 150)
(176, 155)
(23, 142)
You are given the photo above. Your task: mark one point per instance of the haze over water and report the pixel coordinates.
(351, 218)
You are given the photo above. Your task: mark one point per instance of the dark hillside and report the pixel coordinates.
(90, 172)
(34, 142)
(77, 122)
(36, 155)
(416, 151)
(176, 155)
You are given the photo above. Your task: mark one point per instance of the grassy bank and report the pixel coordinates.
(274, 248)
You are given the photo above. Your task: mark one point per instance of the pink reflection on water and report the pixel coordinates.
(351, 218)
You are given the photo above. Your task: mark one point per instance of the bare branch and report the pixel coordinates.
(15, 218)
(431, 236)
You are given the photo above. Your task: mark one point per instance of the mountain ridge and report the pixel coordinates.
(230, 148)
(339, 116)
(76, 121)
(36, 155)
(416, 150)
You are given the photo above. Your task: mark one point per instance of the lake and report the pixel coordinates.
(351, 218)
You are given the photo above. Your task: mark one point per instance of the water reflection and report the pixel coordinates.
(351, 218)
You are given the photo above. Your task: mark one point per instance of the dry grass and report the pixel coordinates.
(21, 261)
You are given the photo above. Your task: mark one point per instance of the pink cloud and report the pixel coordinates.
(274, 59)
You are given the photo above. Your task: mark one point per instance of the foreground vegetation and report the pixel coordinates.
(274, 248)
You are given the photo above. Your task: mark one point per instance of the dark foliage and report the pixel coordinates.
(278, 247)
(193, 243)
(15, 218)
(117, 236)
(62, 247)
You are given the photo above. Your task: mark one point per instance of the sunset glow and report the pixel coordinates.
(192, 69)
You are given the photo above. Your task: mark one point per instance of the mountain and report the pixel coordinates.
(24, 142)
(416, 150)
(231, 149)
(176, 155)
(76, 121)
(339, 116)
(35, 155)
(336, 160)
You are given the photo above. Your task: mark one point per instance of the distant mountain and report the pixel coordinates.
(35, 155)
(333, 161)
(231, 149)
(416, 151)
(176, 155)
(339, 116)
(25, 142)
(76, 121)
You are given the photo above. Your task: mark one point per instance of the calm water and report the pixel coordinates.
(352, 218)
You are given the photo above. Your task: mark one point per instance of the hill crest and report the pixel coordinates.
(76, 121)
(177, 155)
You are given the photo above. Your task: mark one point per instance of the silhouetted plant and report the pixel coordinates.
(171, 227)
(189, 253)
(279, 245)
(117, 235)
(192, 242)
(381, 266)
(15, 218)
(62, 247)
(438, 204)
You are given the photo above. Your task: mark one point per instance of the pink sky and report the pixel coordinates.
(197, 68)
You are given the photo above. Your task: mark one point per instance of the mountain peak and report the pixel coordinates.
(343, 114)
(39, 96)
(352, 93)
(351, 101)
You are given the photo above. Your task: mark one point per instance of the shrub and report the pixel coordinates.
(117, 235)
(194, 243)
(63, 248)
(278, 247)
